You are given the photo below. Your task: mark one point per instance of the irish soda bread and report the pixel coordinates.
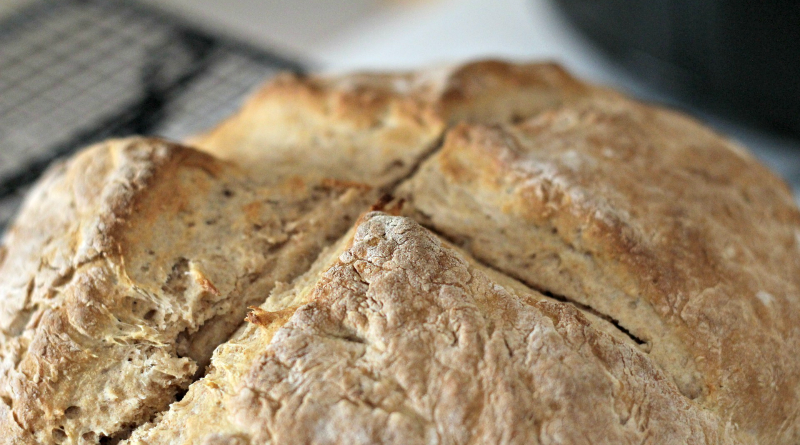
(480, 254)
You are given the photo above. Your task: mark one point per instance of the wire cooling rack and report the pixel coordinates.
(76, 71)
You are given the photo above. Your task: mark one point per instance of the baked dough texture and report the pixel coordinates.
(645, 216)
(559, 265)
(127, 266)
(405, 340)
(374, 128)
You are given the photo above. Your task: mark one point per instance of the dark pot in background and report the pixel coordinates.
(736, 56)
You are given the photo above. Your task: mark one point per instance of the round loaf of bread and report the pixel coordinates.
(477, 254)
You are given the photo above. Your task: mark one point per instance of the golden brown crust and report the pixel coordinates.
(649, 218)
(127, 266)
(200, 416)
(492, 91)
(373, 128)
(318, 128)
(404, 340)
(660, 262)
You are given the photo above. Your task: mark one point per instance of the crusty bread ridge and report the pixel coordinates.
(374, 128)
(127, 266)
(562, 265)
(402, 339)
(645, 216)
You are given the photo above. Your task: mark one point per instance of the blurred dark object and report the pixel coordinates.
(740, 57)
(76, 71)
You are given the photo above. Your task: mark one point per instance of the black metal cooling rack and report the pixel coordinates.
(76, 71)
